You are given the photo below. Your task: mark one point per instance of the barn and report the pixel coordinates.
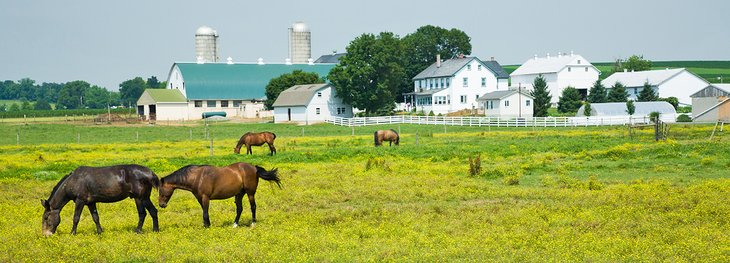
(238, 89)
(310, 103)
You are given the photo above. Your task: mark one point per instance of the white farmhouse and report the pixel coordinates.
(507, 103)
(678, 83)
(559, 72)
(311, 103)
(455, 84)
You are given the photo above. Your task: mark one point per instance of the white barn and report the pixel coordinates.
(311, 103)
(678, 83)
(161, 104)
(507, 103)
(559, 72)
(455, 84)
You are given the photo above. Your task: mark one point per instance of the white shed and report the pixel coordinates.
(507, 103)
(162, 104)
(311, 103)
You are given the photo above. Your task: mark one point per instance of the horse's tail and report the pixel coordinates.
(272, 175)
(273, 134)
(375, 137)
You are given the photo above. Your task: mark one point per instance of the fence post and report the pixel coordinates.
(191, 134)
(302, 131)
(78, 137)
(416, 137)
(18, 137)
(353, 130)
(137, 136)
(211, 143)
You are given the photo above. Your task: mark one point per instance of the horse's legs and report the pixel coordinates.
(141, 212)
(77, 214)
(153, 213)
(204, 203)
(272, 148)
(95, 216)
(252, 202)
(248, 150)
(239, 207)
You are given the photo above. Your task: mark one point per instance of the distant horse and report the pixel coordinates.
(210, 183)
(256, 139)
(88, 185)
(386, 135)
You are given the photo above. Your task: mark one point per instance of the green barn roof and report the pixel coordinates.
(237, 81)
(154, 96)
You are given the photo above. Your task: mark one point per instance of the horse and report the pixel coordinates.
(386, 135)
(213, 183)
(256, 139)
(88, 185)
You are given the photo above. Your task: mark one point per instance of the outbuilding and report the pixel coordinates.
(711, 103)
(311, 103)
(162, 104)
(613, 109)
(507, 103)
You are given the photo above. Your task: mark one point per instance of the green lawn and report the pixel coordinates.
(556, 194)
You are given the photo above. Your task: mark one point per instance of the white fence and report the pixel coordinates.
(498, 121)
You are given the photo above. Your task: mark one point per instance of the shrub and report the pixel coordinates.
(431, 113)
(683, 118)
(654, 115)
(475, 165)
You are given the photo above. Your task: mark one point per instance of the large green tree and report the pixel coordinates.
(153, 83)
(541, 96)
(96, 97)
(42, 104)
(26, 89)
(130, 90)
(371, 75)
(569, 101)
(285, 81)
(647, 93)
(633, 63)
(597, 93)
(422, 46)
(71, 95)
(617, 93)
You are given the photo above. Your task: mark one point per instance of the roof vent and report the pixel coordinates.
(260, 61)
(492, 58)
(559, 54)
(548, 55)
(571, 53)
(200, 60)
(288, 61)
(230, 61)
(535, 56)
(310, 61)
(438, 60)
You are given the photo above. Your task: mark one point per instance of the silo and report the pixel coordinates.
(206, 45)
(300, 43)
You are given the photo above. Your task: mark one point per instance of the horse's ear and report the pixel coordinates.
(44, 203)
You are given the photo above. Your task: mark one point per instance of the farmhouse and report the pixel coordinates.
(455, 84)
(678, 83)
(559, 72)
(711, 103)
(507, 103)
(238, 89)
(644, 108)
(309, 103)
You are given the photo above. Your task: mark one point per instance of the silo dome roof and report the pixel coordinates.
(205, 30)
(300, 27)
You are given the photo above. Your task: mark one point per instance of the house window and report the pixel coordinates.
(316, 111)
(479, 67)
(211, 104)
(506, 103)
(437, 83)
(442, 82)
(463, 98)
(527, 103)
(568, 69)
(440, 100)
(484, 82)
(586, 69)
(198, 103)
(224, 104)
(236, 103)
(466, 82)
(420, 84)
(477, 96)
(448, 81)
(468, 67)
(319, 94)
(430, 83)
(579, 61)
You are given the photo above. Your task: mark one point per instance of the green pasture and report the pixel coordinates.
(542, 194)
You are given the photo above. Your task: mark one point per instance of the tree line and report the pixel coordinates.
(76, 94)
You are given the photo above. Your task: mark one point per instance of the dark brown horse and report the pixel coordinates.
(210, 183)
(256, 139)
(386, 135)
(88, 185)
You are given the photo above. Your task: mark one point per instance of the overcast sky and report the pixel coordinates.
(108, 42)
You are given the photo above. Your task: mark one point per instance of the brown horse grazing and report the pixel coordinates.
(256, 139)
(88, 185)
(211, 183)
(386, 135)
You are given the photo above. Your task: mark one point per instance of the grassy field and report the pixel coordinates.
(709, 70)
(558, 194)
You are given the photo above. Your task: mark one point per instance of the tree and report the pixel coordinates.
(647, 93)
(25, 105)
(42, 104)
(422, 46)
(617, 93)
(370, 75)
(3, 107)
(153, 83)
(96, 97)
(14, 107)
(10, 90)
(26, 89)
(637, 63)
(569, 100)
(672, 100)
(630, 107)
(130, 90)
(71, 95)
(541, 97)
(285, 81)
(597, 93)
(587, 109)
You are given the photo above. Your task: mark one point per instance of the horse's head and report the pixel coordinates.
(166, 190)
(51, 219)
(237, 150)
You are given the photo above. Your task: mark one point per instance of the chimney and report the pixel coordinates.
(535, 56)
(548, 55)
(287, 61)
(310, 61)
(559, 54)
(260, 61)
(492, 58)
(438, 60)
(571, 53)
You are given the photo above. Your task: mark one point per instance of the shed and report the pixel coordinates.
(310, 103)
(507, 103)
(619, 109)
(162, 104)
(711, 103)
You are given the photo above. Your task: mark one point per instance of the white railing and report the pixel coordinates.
(498, 121)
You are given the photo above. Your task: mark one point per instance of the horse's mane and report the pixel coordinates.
(180, 176)
(58, 185)
(396, 133)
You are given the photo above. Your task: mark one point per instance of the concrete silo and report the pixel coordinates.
(206, 45)
(300, 43)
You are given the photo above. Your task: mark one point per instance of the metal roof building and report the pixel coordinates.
(619, 109)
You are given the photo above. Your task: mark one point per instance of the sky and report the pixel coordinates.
(108, 42)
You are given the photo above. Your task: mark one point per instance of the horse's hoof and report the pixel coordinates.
(156, 230)
(253, 224)
(138, 231)
(235, 225)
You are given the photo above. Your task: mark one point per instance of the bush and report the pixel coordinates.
(683, 118)
(475, 165)
(654, 115)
